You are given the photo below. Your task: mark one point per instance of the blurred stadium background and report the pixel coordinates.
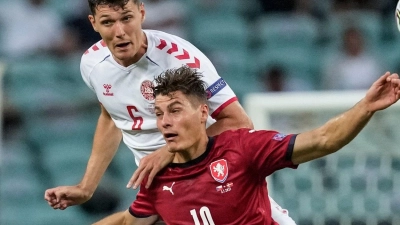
(49, 115)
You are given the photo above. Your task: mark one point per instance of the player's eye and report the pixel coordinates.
(126, 18)
(158, 114)
(106, 22)
(175, 110)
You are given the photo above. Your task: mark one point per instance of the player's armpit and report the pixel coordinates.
(232, 116)
(142, 221)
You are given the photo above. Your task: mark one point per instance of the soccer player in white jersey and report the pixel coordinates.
(120, 69)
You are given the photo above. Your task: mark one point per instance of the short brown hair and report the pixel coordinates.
(111, 3)
(183, 79)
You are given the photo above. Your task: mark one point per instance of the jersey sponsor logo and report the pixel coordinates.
(166, 188)
(215, 88)
(108, 92)
(279, 137)
(185, 55)
(147, 90)
(219, 170)
(224, 188)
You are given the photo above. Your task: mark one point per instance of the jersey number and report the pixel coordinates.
(137, 120)
(205, 215)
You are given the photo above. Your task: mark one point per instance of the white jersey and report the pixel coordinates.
(126, 94)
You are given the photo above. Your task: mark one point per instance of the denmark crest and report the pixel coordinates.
(219, 170)
(147, 90)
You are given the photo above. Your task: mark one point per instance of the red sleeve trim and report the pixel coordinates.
(223, 106)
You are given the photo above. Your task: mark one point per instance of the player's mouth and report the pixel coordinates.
(170, 136)
(122, 45)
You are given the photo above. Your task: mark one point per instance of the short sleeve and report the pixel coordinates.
(142, 207)
(267, 151)
(85, 71)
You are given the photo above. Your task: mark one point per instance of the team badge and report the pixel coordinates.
(219, 170)
(147, 90)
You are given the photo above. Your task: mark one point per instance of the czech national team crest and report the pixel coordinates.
(219, 170)
(147, 90)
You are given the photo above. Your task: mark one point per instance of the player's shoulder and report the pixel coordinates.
(96, 53)
(171, 51)
(161, 43)
(157, 35)
(241, 132)
(232, 134)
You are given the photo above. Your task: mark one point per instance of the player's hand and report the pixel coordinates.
(150, 165)
(383, 93)
(64, 196)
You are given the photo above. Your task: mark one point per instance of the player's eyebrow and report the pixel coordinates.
(124, 12)
(176, 102)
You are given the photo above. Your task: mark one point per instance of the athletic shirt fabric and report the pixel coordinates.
(225, 185)
(126, 92)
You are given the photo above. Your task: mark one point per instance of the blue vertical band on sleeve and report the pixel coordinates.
(289, 151)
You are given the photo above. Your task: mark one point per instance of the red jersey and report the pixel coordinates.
(225, 185)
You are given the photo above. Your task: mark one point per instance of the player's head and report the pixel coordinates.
(119, 23)
(93, 4)
(181, 107)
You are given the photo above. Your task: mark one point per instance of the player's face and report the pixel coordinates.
(121, 29)
(181, 123)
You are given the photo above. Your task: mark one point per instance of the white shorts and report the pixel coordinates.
(281, 216)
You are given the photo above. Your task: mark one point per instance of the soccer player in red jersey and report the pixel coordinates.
(221, 179)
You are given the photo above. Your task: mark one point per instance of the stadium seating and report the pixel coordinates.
(282, 30)
(368, 21)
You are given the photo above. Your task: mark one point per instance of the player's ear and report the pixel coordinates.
(204, 112)
(142, 11)
(93, 22)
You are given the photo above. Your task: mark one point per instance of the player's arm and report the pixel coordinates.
(105, 144)
(340, 130)
(232, 116)
(125, 218)
(106, 140)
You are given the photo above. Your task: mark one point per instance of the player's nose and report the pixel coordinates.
(119, 29)
(166, 121)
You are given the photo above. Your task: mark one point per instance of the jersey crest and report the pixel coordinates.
(219, 170)
(147, 90)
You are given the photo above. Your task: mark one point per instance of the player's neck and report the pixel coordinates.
(139, 54)
(193, 152)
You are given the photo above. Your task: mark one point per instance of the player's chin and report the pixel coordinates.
(123, 54)
(173, 147)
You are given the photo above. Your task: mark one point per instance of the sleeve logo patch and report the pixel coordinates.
(279, 137)
(215, 88)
